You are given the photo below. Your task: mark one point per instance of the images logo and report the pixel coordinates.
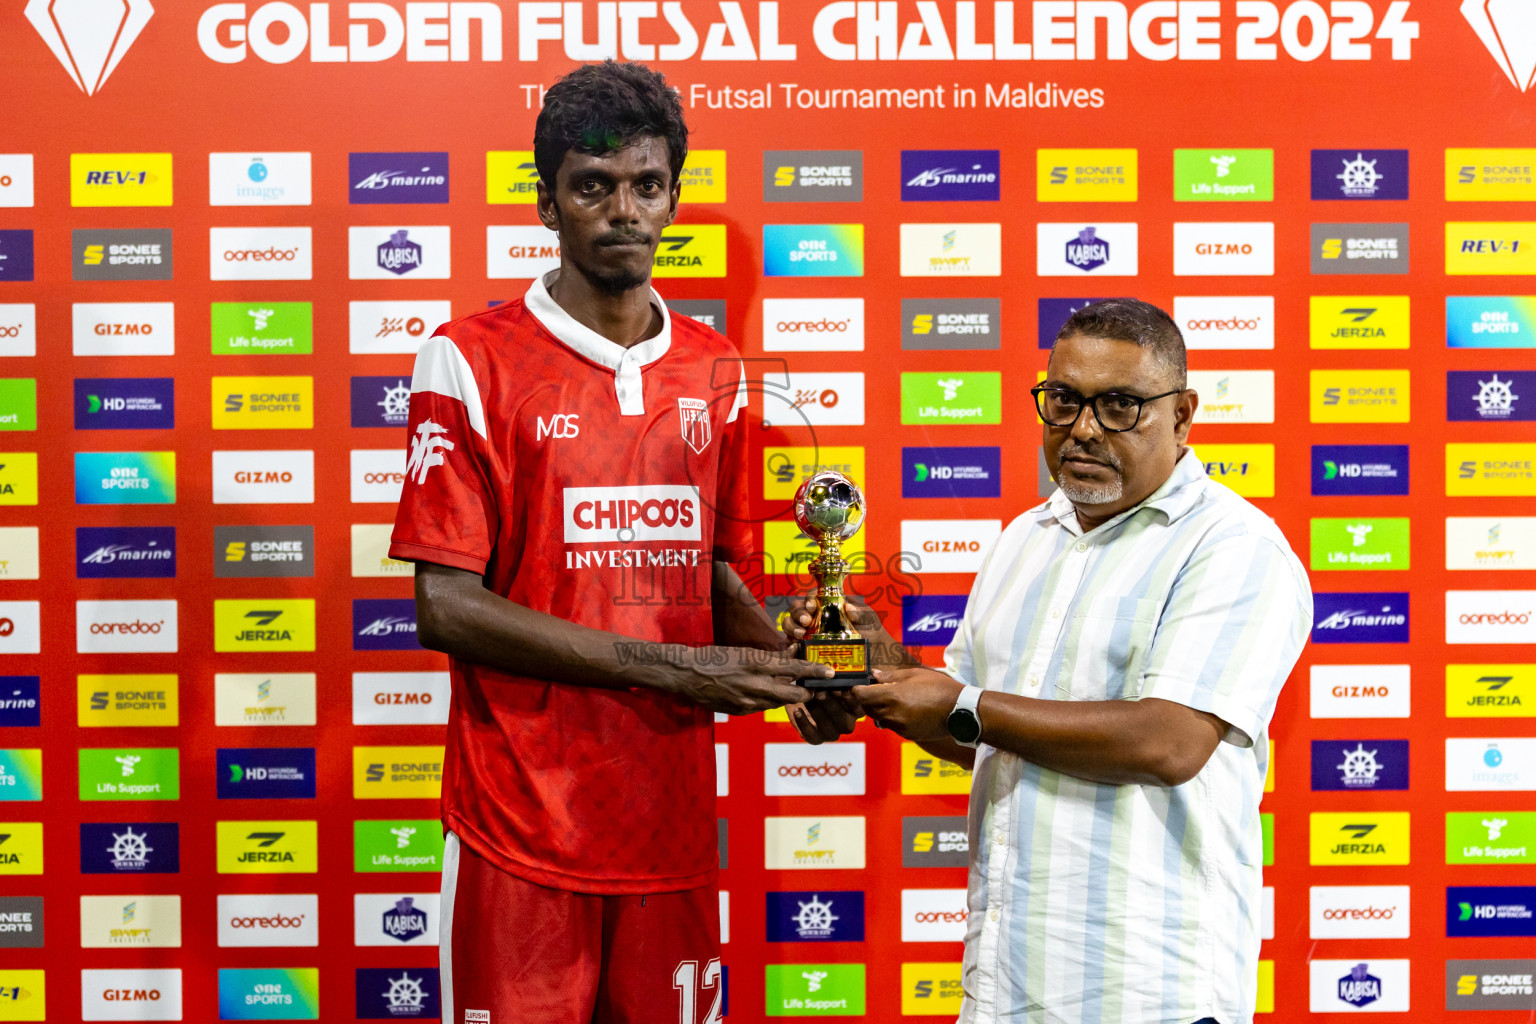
(944, 175)
(951, 472)
(1506, 34)
(397, 846)
(260, 254)
(1085, 175)
(387, 624)
(801, 250)
(266, 847)
(125, 478)
(1485, 395)
(89, 39)
(952, 398)
(1359, 248)
(1355, 544)
(813, 176)
(1359, 321)
(1359, 174)
(397, 177)
(1352, 618)
(262, 328)
(1351, 765)
(125, 403)
(122, 254)
(1490, 765)
(258, 179)
(269, 993)
(150, 848)
(815, 916)
(1224, 175)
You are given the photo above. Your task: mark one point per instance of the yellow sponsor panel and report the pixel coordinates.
(267, 847)
(18, 478)
(921, 772)
(511, 177)
(691, 250)
(789, 551)
(1490, 247)
(1266, 1001)
(22, 853)
(1269, 770)
(1359, 396)
(1249, 469)
(119, 179)
(1359, 321)
(704, 176)
(784, 469)
(388, 773)
(22, 995)
(1490, 175)
(1085, 175)
(1359, 837)
(263, 403)
(1490, 691)
(931, 990)
(264, 624)
(127, 700)
(1490, 470)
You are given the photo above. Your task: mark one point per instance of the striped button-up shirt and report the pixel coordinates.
(1096, 903)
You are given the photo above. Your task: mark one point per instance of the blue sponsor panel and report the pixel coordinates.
(130, 848)
(815, 916)
(381, 401)
(1490, 910)
(1359, 764)
(1054, 313)
(125, 478)
(951, 472)
(15, 255)
(1359, 174)
(397, 178)
(1490, 321)
(1490, 396)
(266, 773)
(125, 552)
(398, 993)
(1360, 618)
(125, 403)
(931, 619)
(948, 175)
(21, 702)
(1349, 469)
(387, 624)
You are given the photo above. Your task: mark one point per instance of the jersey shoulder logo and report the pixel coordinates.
(425, 450)
(693, 419)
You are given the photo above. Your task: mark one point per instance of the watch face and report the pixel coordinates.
(964, 726)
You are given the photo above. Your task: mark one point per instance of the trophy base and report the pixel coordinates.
(849, 659)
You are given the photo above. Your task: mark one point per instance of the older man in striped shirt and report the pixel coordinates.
(1112, 684)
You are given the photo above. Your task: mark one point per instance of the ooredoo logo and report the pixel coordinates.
(125, 626)
(378, 474)
(595, 515)
(1359, 912)
(1226, 322)
(269, 920)
(813, 770)
(933, 915)
(813, 325)
(260, 254)
(1490, 616)
(793, 769)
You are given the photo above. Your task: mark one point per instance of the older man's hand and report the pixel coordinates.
(914, 703)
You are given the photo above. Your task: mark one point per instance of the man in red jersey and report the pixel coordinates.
(575, 493)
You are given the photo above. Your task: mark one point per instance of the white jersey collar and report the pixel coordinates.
(625, 363)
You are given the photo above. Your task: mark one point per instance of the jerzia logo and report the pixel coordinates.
(89, 38)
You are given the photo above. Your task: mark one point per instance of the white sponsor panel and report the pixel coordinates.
(139, 994)
(395, 919)
(951, 250)
(1490, 542)
(394, 253)
(16, 177)
(264, 478)
(264, 698)
(1267, 912)
(813, 325)
(378, 475)
(722, 769)
(725, 917)
(260, 254)
(130, 922)
(20, 627)
(817, 399)
(798, 769)
(1087, 250)
(520, 252)
(1359, 912)
(597, 515)
(258, 179)
(18, 329)
(131, 627)
(20, 557)
(397, 327)
(1234, 396)
(933, 915)
(820, 841)
(124, 328)
(1360, 691)
(400, 698)
(1333, 980)
(370, 552)
(1490, 616)
(948, 545)
(1241, 322)
(1491, 764)
(1224, 248)
(285, 919)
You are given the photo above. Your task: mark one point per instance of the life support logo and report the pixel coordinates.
(595, 515)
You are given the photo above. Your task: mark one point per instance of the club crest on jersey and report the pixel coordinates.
(693, 416)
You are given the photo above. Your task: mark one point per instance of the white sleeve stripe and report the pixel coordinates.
(741, 397)
(442, 369)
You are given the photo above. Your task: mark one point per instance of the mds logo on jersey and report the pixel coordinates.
(1491, 321)
(1359, 396)
(267, 847)
(269, 993)
(387, 773)
(691, 250)
(125, 552)
(1085, 175)
(120, 179)
(384, 624)
(121, 848)
(1356, 618)
(1490, 469)
(1359, 321)
(1359, 837)
(264, 624)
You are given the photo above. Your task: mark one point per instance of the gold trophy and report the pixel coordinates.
(829, 508)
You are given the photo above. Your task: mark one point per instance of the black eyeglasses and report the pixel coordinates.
(1116, 412)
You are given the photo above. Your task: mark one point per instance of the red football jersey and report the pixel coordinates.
(599, 484)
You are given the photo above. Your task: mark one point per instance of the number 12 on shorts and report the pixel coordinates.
(688, 984)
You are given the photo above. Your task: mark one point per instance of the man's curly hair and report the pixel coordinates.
(599, 108)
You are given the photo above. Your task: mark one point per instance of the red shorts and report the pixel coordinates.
(517, 953)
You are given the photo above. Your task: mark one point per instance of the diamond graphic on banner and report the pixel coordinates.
(89, 37)
(1508, 31)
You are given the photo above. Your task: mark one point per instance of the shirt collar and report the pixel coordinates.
(581, 339)
(1175, 498)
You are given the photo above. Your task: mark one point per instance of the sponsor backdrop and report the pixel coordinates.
(225, 228)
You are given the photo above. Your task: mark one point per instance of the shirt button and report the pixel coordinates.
(1082, 546)
(1055, 613)
(993, 915)
(999, 837)
(1034, 680)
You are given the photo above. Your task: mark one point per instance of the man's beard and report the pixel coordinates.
(1096, 493)
(614, 281)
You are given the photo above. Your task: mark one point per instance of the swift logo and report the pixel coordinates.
(89, 39)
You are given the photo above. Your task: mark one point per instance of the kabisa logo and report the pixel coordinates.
(1073, 249)
(816, 917)
(21, 702)
(1087, 251)
(380, 401)
(384, 624)
(1494, 321)
(1344, 618)
(397, 993)
(390, 253)
(1351, 765)
(398, 177)
(130, 848)
(399, 255)
(1359, 987)
(405, 922)
(940, 175)
(1490, 395)
(125, 552)
(125, 403)
(91, 38)
(1359, 174)
(1360, 469)
(1505, 32)
(1492, 910)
